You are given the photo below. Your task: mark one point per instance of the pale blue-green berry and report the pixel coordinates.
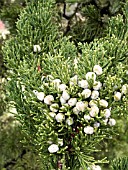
(81, 106)
(87, 117)
(69, 121)
(76, 111)
(59, 117)
(97, 69)
(97, 85)
(107, 113)
(48, 99)
(96, 124)
(94, 110)
(72, 101)
(65, 95)
(83, 84)
(89, 130)
(117, 96)
(103, 103)
(86, 93)
(53, 148)
(62, 87)
(112, 122)
(40, 96)
(124, 89)
(62, 101)
(90, 75)
(96, 167)
(36, 48)
(95, 94)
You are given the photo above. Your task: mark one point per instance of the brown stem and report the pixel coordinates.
(59, 164)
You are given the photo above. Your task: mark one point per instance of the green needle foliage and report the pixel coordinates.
(39, 59)
(120, 163)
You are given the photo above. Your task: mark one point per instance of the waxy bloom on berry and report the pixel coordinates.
(117, 96)
(97, 85)
(53, 148)
(112, 122)
(40, 96)
(97, 69)
(48, 99)
(59, 117)
(107, 113)
(72, 101)
(89, 130)
(36, 48)
(94, 111)
(69, 121)
(83, 84)
(81, 106)
(86, 93)
(103, 103)
(62, 87)
(90, 75)
(95, 94)
(65, 95)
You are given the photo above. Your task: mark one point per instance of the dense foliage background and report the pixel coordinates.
(80, 22)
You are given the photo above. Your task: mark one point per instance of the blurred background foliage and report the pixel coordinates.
(82, 21)
(85, 20)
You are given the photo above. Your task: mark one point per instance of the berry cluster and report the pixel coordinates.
(76, 104)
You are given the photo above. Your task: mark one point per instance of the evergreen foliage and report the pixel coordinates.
(9, 12)
(120, 163)
(57, 56)
(88, 19)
